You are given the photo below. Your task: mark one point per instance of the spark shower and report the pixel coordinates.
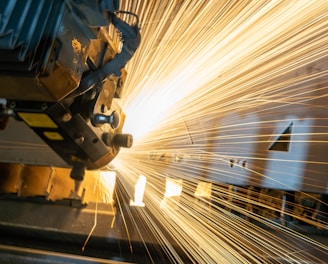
(204, 90)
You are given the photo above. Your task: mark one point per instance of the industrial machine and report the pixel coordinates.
(62, 74)
(62, 71)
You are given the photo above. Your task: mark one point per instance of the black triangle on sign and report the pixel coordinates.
(283, 141)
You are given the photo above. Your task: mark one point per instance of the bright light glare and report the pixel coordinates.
(203, 190)
(139, 192)
(173, 187)
(212, 79)
(108, 180)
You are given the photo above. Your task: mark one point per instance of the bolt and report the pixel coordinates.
(44, 106)
(79, 140)
(67, 117)
(12, 104)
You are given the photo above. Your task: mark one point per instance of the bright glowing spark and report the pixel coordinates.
(139, 192)
(107, 180)
(204, 190)
(212, 86)
(173, 188)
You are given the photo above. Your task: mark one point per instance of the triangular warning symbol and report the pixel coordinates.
(283, 141)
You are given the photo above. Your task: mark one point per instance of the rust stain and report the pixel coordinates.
(76, 45)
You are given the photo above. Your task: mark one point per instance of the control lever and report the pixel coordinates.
(113, 119)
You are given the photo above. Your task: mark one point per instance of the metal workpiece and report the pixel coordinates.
(15, 254)
(92, 231)
(53, 185)
(48, 221)
(38, 212)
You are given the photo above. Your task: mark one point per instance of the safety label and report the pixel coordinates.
(37, 120)
(53, 135)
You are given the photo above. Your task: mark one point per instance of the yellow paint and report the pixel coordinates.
(53, 135)
(37, 120)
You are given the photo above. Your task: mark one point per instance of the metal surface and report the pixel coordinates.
(40, 215)
(14, 254)
(38, 61)
(20, 144)
(37, 228)
(45, 75)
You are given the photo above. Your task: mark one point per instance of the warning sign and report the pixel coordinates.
(53, 135)
(37, 120)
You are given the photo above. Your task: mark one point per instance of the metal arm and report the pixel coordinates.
(131, 41)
